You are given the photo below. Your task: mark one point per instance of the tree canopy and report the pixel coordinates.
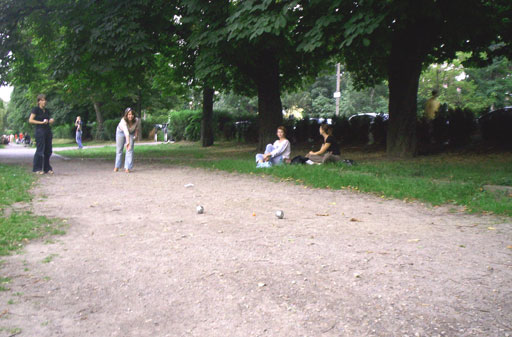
(136, 50)
(396, 40)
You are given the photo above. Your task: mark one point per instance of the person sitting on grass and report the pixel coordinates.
(330, 150)
(277, 153)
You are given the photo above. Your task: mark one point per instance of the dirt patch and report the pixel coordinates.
(137, 260)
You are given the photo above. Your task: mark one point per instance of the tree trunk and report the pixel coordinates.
(269, 99)
(404, 70)
(99, 120)
(139, 112)
(207, 121)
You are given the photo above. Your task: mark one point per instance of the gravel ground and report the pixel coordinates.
(137, 260)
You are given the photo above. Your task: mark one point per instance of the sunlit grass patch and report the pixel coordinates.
(18, 228)
(448, 178)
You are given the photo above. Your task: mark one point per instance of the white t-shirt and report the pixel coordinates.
(123, 126)
(282, 148)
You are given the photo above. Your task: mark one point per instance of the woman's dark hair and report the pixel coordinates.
(125, 116)
(282, 128)
(327, 129)
(40, 97)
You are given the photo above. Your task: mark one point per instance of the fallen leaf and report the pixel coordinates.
(491, 228)
(509, 247)
(413, 240)
(355, 220)
(320, 214)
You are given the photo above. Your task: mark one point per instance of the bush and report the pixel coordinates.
(495, 127)
(63, 131)
(180, 120)
(461, 125)
(193, 129)
(225, 125)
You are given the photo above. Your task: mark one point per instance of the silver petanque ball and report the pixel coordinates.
(200, 209)
(280, 214)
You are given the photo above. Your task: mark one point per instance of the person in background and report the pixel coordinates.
(330, 150)
(277, 153)
(432, 106)
(41, 118)
(126, 132)
(78, 133)
(431, 109)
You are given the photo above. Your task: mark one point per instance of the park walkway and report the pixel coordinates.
(137, 260)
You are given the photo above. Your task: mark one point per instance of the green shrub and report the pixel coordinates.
(64, 131)
(193, 129)
(182, 119)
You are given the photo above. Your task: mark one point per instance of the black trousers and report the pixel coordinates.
(44, 149)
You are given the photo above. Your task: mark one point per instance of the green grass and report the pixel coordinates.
(69, 142)
(449, 178)
(18, 228)
(14, 185)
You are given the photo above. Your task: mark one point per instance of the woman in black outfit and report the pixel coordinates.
(40, 117)
(330, 150)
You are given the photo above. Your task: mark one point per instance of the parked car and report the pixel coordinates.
(495, 126)
(370, 116)
(369, 127)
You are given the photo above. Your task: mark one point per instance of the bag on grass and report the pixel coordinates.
(299, 160)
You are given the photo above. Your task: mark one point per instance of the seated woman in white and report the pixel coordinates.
(277, 153)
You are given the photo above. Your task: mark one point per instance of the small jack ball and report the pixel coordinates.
(280, 214)
(200, 209)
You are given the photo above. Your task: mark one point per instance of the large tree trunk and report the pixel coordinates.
(99, 120)
(404, 70)
(207, 121)
(269, 99)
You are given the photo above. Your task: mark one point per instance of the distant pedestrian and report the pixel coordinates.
(126, 132)
(431, 109)
(432, 106)
(41, 118)
(78, 133)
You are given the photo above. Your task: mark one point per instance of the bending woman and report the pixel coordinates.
(330, 150)
(41, 118)
(277, 153)
(126, 133)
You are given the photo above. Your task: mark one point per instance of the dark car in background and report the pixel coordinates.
(496, 126)
(369, 127)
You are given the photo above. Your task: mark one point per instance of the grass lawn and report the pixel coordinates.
(17, 228)
(68, 142)
(449, 178)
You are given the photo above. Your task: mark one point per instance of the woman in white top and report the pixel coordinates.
(126, 133)
(277, 153)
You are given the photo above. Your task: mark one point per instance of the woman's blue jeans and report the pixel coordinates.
(120, 141)
(274, 161)
(79, 139)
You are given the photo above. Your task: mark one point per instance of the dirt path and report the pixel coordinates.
(138, 261)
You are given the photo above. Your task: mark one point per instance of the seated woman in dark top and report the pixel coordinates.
(330, 150)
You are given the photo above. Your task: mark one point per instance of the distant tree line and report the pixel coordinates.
(160, 54)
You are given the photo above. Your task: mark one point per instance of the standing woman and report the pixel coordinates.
(41, 118)
(126, 133)
(78, 134)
